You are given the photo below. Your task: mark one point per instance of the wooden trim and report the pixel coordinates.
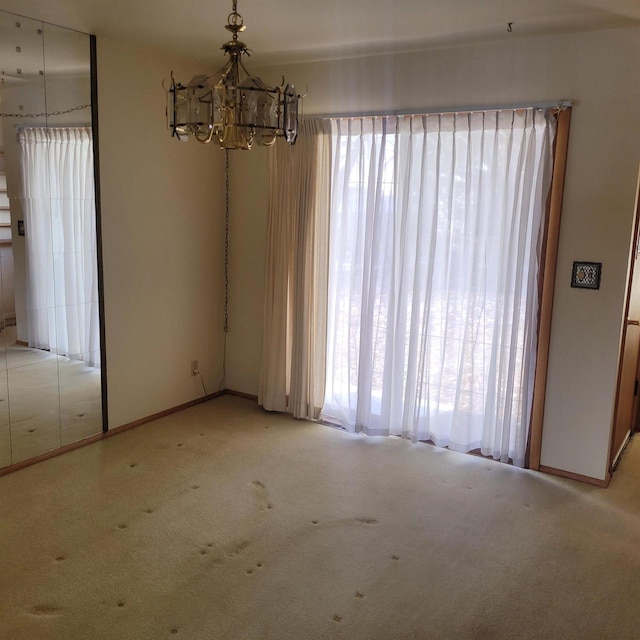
(596, 482)
(241, 394)
(618, 455)
(164, 414)
(548, 280)
(22, 343)
(613, 455)
(107, 434)
(50, 454)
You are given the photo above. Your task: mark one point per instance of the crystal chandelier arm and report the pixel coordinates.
(207, 139)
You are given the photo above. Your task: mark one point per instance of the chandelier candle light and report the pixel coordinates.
(234, 107)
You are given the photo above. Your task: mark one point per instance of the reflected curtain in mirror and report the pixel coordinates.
(60, 229)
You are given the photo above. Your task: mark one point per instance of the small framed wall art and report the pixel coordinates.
(586, 275)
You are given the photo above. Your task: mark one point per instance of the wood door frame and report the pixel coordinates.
(547, 281)
(623, 333)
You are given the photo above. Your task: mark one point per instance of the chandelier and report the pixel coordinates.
(233, 107)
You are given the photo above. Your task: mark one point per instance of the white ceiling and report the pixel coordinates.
(291, 30)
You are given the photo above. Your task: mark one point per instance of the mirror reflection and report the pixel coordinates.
(50, 378)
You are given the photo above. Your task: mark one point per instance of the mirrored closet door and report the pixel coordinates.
(50, 337)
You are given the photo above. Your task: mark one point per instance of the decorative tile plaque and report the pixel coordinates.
(586, 275)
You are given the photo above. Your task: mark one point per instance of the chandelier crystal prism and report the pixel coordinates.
(234, 108)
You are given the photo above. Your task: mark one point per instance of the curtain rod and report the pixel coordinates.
(560, 105)
(53, 126)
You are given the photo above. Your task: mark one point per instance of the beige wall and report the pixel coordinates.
(247, 242)
(162, 226)
(599, 72)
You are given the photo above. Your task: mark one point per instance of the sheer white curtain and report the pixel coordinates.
(433, 286)
(58, 203)
(293, 353)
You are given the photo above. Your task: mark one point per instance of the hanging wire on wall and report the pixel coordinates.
(226, 241)
(236, 109)
(226, 267)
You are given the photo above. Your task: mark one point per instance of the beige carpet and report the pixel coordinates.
(227, 522)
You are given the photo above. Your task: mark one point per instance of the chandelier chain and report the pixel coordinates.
(44, 114)
(226, 268)
(236, 22)
(226, 241)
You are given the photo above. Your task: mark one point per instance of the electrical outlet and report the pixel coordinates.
(194, 368)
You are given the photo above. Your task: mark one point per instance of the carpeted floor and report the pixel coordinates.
(225, 522)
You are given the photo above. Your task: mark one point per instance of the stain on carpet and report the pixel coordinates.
(263, 495)
(46, 610)
(237, 548)
(347, 521)
(365, 521)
